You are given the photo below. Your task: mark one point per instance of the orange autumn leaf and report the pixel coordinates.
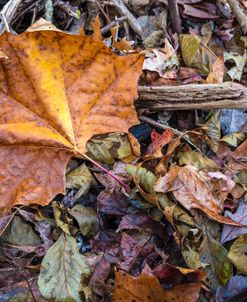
(146, 288)
(159, 141)
(216, 75)
(56, 92)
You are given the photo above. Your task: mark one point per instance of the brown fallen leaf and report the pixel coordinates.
(146, 288)
(197, 189)
(216, 74)
(56, 91)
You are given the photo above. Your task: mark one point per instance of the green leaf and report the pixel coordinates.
(195, 54)
(80, 178)
(238, 254)
(87, 220)
(234, 139)
(196, 159)
(143, 177)
(63, 272)
(213, 257)
(20, 233)
(240, 60)
(108, 147)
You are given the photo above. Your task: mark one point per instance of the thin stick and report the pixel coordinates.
(108, 26)
(164, 127)
(127, 188)
(174, 16)
(123, 10)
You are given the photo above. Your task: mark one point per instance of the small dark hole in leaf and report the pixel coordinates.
(148, 297)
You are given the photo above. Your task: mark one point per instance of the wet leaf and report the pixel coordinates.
(238, 254)
(87, 220)
(197, 189)
(197, 160)
(232, 232)
(213, 257)
(63, 271)
(145, 288)
(58, 90)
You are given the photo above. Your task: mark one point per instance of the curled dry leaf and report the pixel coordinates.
(57, 90)
(216, 74)
(146, 288)
(197, 189)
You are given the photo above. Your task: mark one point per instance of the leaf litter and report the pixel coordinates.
(94, 206)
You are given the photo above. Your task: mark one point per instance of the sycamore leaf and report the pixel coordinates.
(63, 271)
(56, 91)
(238, 254)
(197, 189)
(146, 288)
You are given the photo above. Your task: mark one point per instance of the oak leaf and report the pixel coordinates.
(56, 91)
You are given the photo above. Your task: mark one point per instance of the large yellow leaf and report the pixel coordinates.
(56, 91)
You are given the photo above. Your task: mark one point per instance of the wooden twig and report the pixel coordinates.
(123, 10)
(174, 16)
(7, 14)
(190, 97)
(108, 26)
(239, 13)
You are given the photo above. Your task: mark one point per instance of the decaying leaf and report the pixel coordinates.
(195, 54)
(57, 90)
(107, 148)
(197, 189)
(20, 233)
(232, 232)
(63, 271)
(87, 220)
(235, 290)
(80, 178)
(233, 139)
(239, 60)
(216, 74)
(213, 257)
(238, 254)
(146, 288)
(158, 142)
(197, 159)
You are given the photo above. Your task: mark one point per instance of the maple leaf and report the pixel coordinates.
(56, 92)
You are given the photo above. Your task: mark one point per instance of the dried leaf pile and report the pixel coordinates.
(95, 205)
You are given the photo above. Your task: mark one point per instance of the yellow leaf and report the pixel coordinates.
(56, 92)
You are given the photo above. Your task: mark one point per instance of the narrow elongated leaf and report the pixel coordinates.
(63, 271)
